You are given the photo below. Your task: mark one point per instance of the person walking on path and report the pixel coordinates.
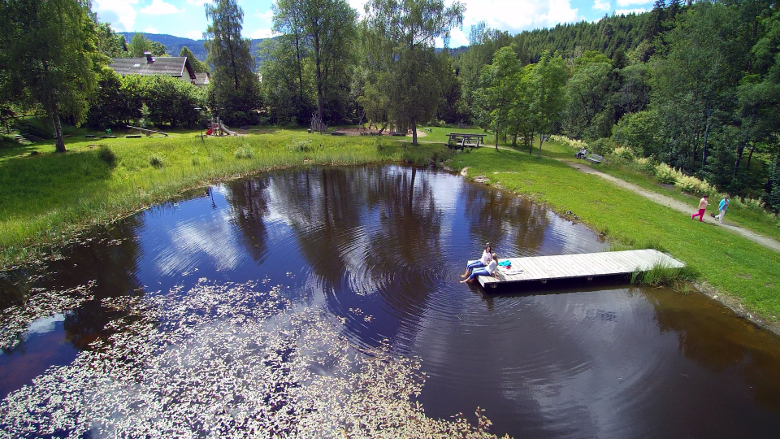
(703, 203)
(722, 207)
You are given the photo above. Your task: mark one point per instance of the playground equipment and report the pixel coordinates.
(217, 128)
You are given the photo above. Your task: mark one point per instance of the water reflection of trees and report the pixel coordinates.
(107, 259)
(495, 216)
(112, 263)
(374, 228)
(248, 199)
(322, 207)
(405, 247)
(718, 341)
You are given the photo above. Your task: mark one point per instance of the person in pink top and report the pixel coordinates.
(703, 203)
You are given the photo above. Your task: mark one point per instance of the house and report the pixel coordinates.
(176, 66)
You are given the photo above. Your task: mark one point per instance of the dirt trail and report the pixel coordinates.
(678, 206)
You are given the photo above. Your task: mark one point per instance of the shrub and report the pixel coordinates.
(381, 145)
(644, 164)
(693, 185)
(156, 161)
(665, 174)
(245, 152)
(602, 146)
(749, 203)
(107, 155)
(300, 145)
(624, 153)
(574, 143)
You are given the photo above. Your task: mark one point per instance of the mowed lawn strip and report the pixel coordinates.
(731, 264)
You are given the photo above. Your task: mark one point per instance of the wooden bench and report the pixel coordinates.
(594, 158)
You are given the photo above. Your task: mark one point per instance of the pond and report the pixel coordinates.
(376, 253)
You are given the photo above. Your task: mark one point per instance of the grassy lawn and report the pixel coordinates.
(50, 196)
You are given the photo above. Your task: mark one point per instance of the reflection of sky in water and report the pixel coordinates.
(46, 324)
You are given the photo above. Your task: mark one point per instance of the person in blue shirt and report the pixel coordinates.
(722, 207)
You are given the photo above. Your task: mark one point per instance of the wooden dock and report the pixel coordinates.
(580, 266)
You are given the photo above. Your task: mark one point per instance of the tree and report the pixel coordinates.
(197, 65)
(587, 93)
(499, 92)
(289, 23)
(403, 33)
(328, 29)
(234, 91)
(48, 57)
(692, 87)
(110, 43)
(549, 100)
(138, 45)
(483, 43)
(287, 85)
(158, 49)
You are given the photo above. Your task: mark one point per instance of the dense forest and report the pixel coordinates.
(693, 85)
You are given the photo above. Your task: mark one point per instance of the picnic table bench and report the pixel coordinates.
(595, 158)
(462, 140)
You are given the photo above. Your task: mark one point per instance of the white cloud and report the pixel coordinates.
(602, 5)
(629, 11)
(159, 7)
(261, 33)
(632, 2)
(199, 2)
(266, 16)
(358, 6)
(151, 30)
(516, 16)
(194, 34)
(458, 38)
(120, 13)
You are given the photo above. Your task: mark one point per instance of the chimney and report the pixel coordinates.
(149, 58)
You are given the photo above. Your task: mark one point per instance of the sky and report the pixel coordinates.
(187, 18)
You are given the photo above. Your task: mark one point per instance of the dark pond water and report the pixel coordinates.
(578, 360)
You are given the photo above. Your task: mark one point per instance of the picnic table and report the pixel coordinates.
(462, 140)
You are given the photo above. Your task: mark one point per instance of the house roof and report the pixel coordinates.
(177, 66)
(202, 78)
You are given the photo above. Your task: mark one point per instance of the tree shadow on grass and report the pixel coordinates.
(44, 182)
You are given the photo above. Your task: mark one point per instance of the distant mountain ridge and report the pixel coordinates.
(174, 44)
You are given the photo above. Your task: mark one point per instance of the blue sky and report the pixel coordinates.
(186, 18)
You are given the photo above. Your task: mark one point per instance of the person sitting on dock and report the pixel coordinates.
(482, 262)
(490, 270)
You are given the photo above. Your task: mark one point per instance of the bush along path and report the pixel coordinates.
(677, 205)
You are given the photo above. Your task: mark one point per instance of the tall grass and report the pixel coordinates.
(661, 275)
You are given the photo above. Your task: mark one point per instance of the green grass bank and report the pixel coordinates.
(49, 197)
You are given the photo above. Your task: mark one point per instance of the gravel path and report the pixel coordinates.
(678, 206)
